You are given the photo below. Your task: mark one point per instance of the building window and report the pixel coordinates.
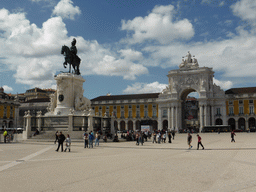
(93, 108)
(154, 106)
(164, 113)
(130, 106)
(218, 111)
(100, 107)
(251, 108)
(251, 101)
(241, 110)
(240, 101)
(5, 111)
(107, 113)
(138, 106)
(230, 102)
(231, 110)
(122, 114)
(154, 113)
(145, 113)
(114, 107)
(122, 107)
(137, 114)
(107, 107)
(130, 114)
(145, 106)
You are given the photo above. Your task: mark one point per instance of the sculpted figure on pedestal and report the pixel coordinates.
(189, 62)
(71, 58)
(82, 103)
(53, 102)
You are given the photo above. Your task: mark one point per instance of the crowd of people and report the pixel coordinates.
(138, 136)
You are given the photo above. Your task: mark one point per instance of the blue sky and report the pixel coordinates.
(126, 47)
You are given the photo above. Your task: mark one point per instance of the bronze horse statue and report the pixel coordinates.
(71, 59)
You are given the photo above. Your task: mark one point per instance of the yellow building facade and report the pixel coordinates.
(129, 111)
(240, 107)
(8, 110)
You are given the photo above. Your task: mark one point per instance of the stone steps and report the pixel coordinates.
(47, 135)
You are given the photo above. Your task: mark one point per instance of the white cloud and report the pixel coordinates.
(66, 10)
(34, 53)
(159, 25)
(7, 89)
(119, 67)
(131, 54)
(245, 9)
(223, 84)
(233, 57)
(222, 3)
(138, 88)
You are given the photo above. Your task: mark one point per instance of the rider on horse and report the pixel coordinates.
(73, 58)
(73, 48)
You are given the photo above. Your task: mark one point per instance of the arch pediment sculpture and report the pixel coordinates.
(188, 62)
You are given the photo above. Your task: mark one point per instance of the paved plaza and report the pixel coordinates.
(123, 166)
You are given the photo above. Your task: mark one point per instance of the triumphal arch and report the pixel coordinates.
(191, 78)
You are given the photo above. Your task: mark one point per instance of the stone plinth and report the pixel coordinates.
(68, 87)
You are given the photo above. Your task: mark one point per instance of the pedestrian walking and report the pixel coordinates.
(137, 136)
(85, 136)
(5, 135)
(154, 137)
(233, 136)
(68, 143)
(61, 139)
(141, 138)
(159, 137)
(189, 139)
(91, 138)
(97, 140)
(173, 134)
(169, 137)
(199, 142)
(164, 137)
(56, 137)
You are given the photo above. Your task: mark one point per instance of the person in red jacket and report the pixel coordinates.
(199, 142)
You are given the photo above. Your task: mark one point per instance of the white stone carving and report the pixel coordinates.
(188, 62)
(188, 78)
(53, 102)
(81, 102)
(203, 84)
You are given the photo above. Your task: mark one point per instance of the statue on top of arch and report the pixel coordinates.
(189, 62)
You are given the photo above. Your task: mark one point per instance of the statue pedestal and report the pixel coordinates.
(68, 87)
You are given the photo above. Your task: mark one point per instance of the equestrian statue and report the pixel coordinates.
(71, 58)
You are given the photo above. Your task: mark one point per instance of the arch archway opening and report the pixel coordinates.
(190, 110)
(251, 122)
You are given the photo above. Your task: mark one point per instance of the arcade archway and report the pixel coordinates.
(189, 110)
(183, 81)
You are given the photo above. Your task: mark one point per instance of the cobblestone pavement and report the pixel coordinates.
(222, 166)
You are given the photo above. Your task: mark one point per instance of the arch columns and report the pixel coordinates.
(212, 115)
(169, 118)
(160, 125)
